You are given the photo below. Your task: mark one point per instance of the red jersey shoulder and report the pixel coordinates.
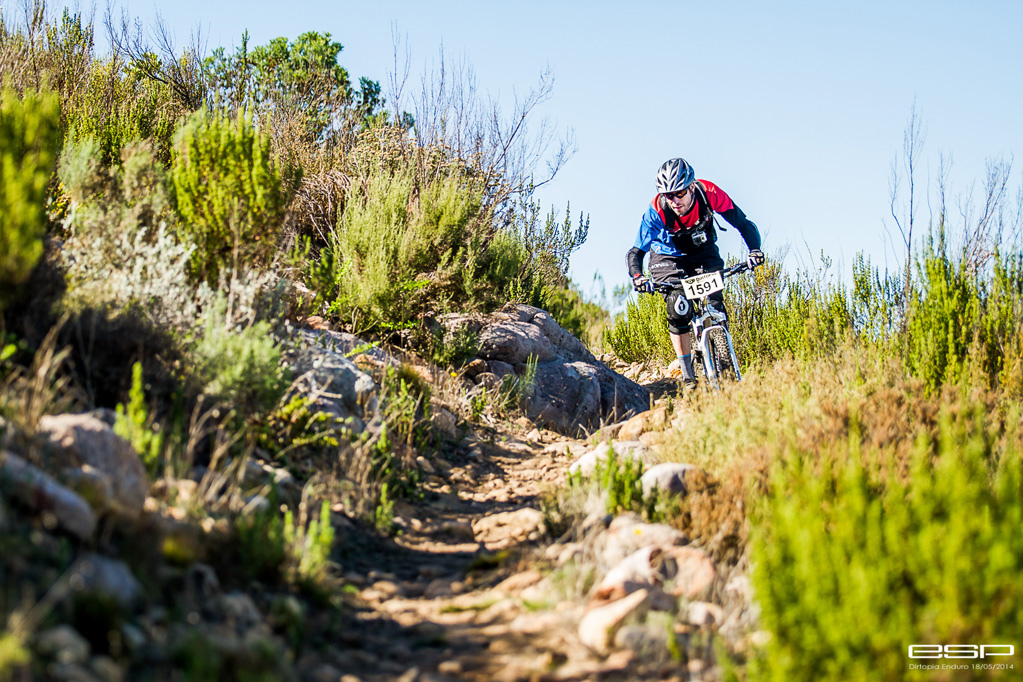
(656, 204)
(717, 198)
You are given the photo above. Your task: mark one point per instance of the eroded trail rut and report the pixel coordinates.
(455, 594)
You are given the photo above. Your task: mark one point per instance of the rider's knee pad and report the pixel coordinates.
(680, 312)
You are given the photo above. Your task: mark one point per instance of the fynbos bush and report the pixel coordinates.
(230, 197)
(29, 141)
(853, 564)
(641, 332)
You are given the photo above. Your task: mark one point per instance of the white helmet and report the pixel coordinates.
(674, 176)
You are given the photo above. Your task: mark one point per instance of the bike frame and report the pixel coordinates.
(706, 319)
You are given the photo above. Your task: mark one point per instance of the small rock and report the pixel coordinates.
(255, 505)
(458, 530)
(515, 525)
(587, 463)
(488, 380)
(449, 668)
(639, 570)
(107, 669)
(91, 441)
(239, 610)
(109, 579)
(38, 491)
(597, 628)
(519, 581)
(694, 571)
(444, 422)
(627, 534)
(669, 477)
(438, 588)
(475, 368)
(92, 484)
(388, 588)
(651, 420)
(703, 613)
(501, 369)
(644, 639)
(63, 644)
(325, 673)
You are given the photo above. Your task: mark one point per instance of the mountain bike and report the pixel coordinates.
(713, 352)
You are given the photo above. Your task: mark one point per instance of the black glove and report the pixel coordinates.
(755, 258)
(642, 284)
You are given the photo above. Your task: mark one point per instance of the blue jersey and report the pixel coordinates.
(693, 233)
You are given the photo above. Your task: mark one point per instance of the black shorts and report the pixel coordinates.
(673, 268)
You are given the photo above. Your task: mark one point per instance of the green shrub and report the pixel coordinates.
(619, 482)
(641, 332)
(120, 105)
(853, 562)
(417, 238)
(229, 196)
(583, 319)
(29, 142)
(394, 256)
(308, 547)
(962, 322)
(773, 315)
(945, 306)
(134, 424)
(261, 546)
(241, 367)
(12, 653)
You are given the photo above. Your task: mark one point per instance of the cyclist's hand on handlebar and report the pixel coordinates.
(642, 284)
(755, 258)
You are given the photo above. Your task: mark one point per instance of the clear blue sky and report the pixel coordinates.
(795, 108)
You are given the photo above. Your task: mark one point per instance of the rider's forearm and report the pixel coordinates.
(746, 227)
(635, 261)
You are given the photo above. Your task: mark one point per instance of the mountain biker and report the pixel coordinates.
(678, 230)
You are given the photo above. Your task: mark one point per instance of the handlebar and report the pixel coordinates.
(666, 287)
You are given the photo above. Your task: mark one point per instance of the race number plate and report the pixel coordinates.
(703, 285)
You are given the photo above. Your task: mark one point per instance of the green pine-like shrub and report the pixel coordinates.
(29, 142)
(641, 331)
(853, 561)
(229, 195)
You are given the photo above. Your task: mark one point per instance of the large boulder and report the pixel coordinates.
(333, 383)
(571, 390)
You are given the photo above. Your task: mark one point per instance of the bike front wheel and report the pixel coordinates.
(720, 354)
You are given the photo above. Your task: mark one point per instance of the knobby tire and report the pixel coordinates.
(722, 358)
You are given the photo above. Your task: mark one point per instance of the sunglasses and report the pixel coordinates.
(680, 195)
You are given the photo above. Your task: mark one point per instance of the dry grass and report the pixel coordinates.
(797, 409)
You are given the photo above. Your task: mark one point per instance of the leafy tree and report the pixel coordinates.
(301, 76)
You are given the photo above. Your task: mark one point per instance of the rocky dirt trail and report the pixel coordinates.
(445, 599)
(460, 592)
